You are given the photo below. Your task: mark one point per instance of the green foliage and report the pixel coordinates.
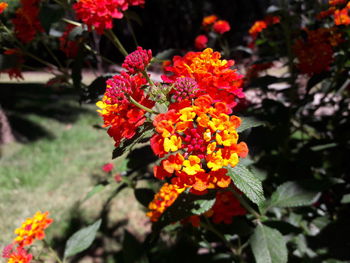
(81, 240)
(97, 188)
(249, 122)
(186, 204)
(245, 181)
(268, 245)
(49, 14)
(292, 194)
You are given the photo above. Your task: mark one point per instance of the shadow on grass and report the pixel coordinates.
(100, 248)
(22, 101)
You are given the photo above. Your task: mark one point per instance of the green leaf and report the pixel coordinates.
(292, 194)
(97, 188)
(249, 122)
(323, 147)
(49, 14)
(81, 239)
(76, 32)
(186, 204)
(268, 245)
(144, 195)
(345, 199)
(245, 181)
(166, 54)
(133, 251)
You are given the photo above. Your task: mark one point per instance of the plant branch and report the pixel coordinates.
(246, 205)
(115, 40)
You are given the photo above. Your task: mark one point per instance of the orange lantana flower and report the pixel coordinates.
(166, 196)
(3, 6)
(200, 140)
(213, 75)
(33, 228)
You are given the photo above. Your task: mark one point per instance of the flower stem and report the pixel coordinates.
(212, 229)
(133, 101)
(144, 73)
(71, 22)
(52, 251)
(115, 40)
(246, 205)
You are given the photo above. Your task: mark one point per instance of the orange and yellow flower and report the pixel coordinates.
(201, 140)
(33, 228)
(165, 197)
(209, 20)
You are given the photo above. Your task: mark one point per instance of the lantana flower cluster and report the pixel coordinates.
(32, 229)
(26, 22)
(260, 25)
(315, 53)
(3, 6)
(99, 14)
(201, 140)
(211, 23)
(196, 138)
(339, 10)
(214, 76)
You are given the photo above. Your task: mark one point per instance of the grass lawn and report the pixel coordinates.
(56, 163)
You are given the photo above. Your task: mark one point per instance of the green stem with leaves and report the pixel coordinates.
(115, 40)
(246, 205)
(212, 229)
(53, 252)
(133, 101)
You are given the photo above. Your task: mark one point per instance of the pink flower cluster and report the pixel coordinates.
(138, 60)
(100, 13)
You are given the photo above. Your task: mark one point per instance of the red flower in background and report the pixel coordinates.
(26, 21)
(15, 72)
(315, 54)
(221, 26)
(201, 42)
(69, 47)
(108, 167)
(3, 6)
(100, 13)
(260, 25)
(225, 208)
